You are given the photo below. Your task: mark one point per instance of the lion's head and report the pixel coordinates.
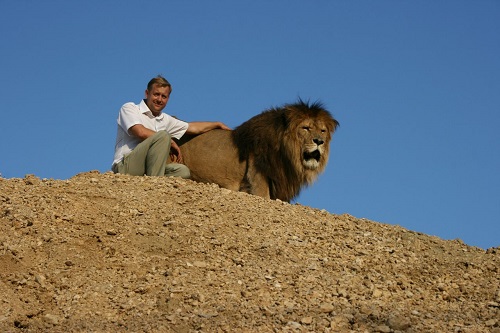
(273, 154)
(289, 144)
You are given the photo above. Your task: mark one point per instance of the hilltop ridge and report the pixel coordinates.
(102, 252)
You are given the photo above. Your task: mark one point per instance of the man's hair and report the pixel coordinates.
(160, 81)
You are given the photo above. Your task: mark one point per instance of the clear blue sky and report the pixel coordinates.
(414, 84)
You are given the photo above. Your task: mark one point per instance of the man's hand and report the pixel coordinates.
(223, 126)
(199, 127)
(175, 152)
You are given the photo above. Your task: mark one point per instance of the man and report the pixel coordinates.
(144, 137)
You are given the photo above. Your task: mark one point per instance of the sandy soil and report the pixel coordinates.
(114, 253)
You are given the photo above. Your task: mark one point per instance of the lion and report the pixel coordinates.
(273, 155)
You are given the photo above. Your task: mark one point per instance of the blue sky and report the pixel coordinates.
(415, 86)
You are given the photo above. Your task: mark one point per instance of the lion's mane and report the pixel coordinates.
(278, 152)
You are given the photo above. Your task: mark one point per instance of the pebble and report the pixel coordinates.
(200, 264)
(52, 319)
(398, 323)
(383, 329)
(40, 279)
(491, 322)
(377, 293)
(326, 307)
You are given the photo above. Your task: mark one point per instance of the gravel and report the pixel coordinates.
(113, 253)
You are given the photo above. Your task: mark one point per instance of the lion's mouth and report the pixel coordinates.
(313, 155)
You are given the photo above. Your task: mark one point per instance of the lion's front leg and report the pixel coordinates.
(257, 183)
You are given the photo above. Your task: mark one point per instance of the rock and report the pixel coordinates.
(383, 329)
(200, 264)
(52, 319)
(40, 279)
(491, 322)
(326, 307)
(377, 293)
(398, 323)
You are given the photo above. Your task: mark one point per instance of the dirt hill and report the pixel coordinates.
(113, 253)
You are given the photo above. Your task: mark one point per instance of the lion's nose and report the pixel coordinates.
(318, 141)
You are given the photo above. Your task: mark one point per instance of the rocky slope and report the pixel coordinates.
(113, 253)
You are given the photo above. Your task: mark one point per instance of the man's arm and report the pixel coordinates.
(198, 127)
(140, 132)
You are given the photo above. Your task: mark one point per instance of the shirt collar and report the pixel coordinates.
(145, 110)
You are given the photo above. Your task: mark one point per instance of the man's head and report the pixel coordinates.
(157, 94)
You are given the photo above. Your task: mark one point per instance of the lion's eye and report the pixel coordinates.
(307, 128)
(323, 130)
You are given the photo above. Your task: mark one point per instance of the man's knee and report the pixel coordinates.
(177, 170)
(162, 136)
(185, 172)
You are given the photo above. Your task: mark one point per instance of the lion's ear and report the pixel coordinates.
(286, 119)
(334, 125)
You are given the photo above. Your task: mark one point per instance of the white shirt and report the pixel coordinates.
(132, 114)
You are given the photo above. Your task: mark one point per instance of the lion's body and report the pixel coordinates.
(273, 155)
(212, 157)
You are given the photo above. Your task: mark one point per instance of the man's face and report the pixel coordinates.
(157, 98)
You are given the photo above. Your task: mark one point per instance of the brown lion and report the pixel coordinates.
(273, 155)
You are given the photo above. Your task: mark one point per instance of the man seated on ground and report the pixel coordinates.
(144, 136)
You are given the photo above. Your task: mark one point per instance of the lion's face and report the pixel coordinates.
(314, 137)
